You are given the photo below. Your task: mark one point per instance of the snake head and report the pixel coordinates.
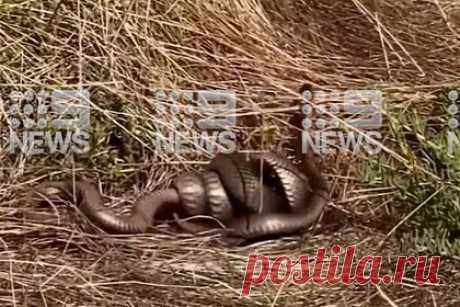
(50, 192)
(43, 194)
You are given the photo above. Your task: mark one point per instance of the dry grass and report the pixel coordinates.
(262, 50)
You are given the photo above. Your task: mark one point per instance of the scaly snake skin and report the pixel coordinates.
(253, 196)
(307, 195)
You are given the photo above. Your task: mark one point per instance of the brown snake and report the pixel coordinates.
(229, 190)
(252, 196)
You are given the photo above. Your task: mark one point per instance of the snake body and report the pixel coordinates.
(253, 196)
(306, 195)
(92, 206)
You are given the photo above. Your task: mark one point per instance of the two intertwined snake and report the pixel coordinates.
(253, 195)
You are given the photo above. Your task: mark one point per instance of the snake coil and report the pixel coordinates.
(253, 195)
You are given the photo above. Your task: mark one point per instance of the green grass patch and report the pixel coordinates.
(427, 187)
